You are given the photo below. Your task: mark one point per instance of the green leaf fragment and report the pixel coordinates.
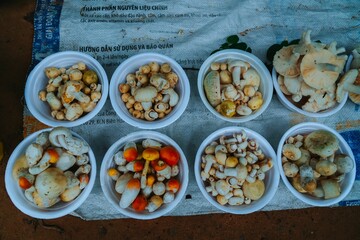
(232, 39)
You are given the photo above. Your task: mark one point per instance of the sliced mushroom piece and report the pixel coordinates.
(33, 153)
(320, 69)
(159, 81)
(331, 188)
(286, 62)
(56, 132)
(74, 145)
(73, 111)
(151, 115)
(174, 97)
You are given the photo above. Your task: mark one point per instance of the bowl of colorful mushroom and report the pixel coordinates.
(50, 173)
(234, 85)
(306, 77)
(316, 164)
(149, 90)
(66, 89)
(235, 170)
(144, 175)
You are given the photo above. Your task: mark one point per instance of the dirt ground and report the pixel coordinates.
(16, 25)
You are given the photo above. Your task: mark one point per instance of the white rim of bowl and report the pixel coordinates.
(47, 213)
(270, 192)
(255, 62)
(142, 134)
(159, 123)
(81, 120)
(283, 99)
(312, 126)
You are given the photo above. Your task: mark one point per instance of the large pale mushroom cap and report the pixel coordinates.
(322, 143)
(286, 62)
(321, 68)
(51, 183)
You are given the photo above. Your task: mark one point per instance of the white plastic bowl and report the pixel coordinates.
(131, 65)
(292, 107)
(18, 198)
(37, 81)
(271, 180)
(347, 183)
(108, 185)
(266, 87)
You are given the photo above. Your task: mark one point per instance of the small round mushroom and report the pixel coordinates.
(343, 163)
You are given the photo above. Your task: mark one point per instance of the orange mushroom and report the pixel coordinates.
(24, 183)
(139, 203)
(54, 155)
(131, 191)
(158, 165)
(170, 155)
(130, 154)
(173, 185)
(149, 154)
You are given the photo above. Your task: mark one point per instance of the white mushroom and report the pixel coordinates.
(145, 94)
(355, 64)
(158, 81)
(343, 163)
(286, 61)
(347, 84)
(151, 115)
(320, 69)
(66, 161)
(212, 88)
(33, 153)
(53, 101)
(51, 183)
(251, 78)
(235, 67)
(290, 169)
(174, 97)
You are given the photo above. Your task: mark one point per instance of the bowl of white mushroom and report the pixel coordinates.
(306, 77)
(50, 173)
(235, 170)
(149, 90)
(234, 85)
(144, 175)
(66, 89)
(316, 164)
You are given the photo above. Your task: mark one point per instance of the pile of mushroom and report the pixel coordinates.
(145, 174)
(71, 92)
(308, 73)
(54, 168)
(234, 168)
(232, 88)
(313, 165)
(150, 93)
